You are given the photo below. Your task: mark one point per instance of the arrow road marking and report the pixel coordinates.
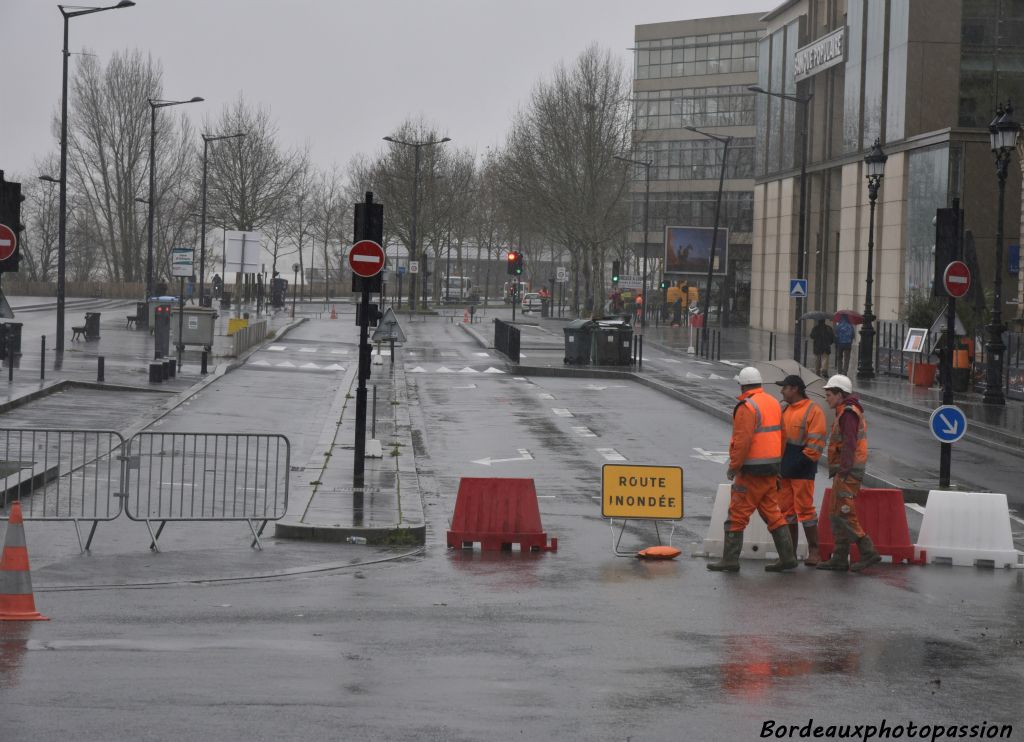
(524, 455)
(952, 427)
(717, 457)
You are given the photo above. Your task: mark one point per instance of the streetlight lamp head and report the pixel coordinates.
(875, 161)
(196, 99)
(1003, 130)
(756, 89)
(125, 4)
(50, 179)
(446, 139)
(389, 139)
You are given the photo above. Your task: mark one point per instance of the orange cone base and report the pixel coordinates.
(19, 608)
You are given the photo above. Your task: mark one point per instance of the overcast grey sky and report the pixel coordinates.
(337, 75)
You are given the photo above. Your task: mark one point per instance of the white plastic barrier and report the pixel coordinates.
(757, 542)
(966, 528)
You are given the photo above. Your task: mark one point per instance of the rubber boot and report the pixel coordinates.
(868, 555)
(730, 561)
(794, 535)
(813, 555)
(784, 548)
(840, 559)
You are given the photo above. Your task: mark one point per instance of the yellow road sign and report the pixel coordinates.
(653, 492)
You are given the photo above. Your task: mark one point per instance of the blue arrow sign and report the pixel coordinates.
(948, 424)
(798, 288)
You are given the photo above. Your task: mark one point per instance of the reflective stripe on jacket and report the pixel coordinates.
(836, 442)
(756, 445)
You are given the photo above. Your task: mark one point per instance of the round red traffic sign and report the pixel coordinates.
(957, 279)
(366, 258)
(8, 241)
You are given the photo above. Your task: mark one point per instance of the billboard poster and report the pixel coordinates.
(688, 250)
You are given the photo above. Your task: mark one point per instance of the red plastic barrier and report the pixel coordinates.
(883, 518)
(498, 513)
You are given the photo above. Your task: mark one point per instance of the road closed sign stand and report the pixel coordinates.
(633, 492)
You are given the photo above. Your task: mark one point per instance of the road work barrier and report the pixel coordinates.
(207, 477)
(883, 517)
(17, 603)
(966, 529)
(63, 475)
(497, 513)
(757, 541)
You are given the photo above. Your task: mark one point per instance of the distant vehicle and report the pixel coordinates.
(531, 302)
(456, 290)
(507, 292)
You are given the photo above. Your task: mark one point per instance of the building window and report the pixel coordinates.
(712, 54)
(696, 209)
(927, 186)
(725, 105)
(696, 159)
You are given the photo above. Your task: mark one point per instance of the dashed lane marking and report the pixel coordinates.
(610, 454)
(584, 432)
(562, 412)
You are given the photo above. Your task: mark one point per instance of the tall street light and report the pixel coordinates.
(1003, 133)
(413, 255)
(726, 141)
(646, 165)
(202, 226)
(801, 248)
(63, 179)
(875, 164)
(153, 105)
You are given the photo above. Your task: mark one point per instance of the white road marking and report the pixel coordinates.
(418, 370)
(443, 370)
(562, 412)
(595, 387)
(277, 347)
(468, 370)
(691, 375)
(545, 395)
(670, 360)
(584, 432)
(718, 457)
(610, 454)
(703, 363)
(449, 354)
(341, 351)
(309, 365)
(732, 363)
(260, 363)
(524, 455)
(307, 350)
(493, 370)
(334, 367)
(716, 376)
(286, 364)
(483, 355)
(519, 378)
(468, 386)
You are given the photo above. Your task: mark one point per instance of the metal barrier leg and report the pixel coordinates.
(153, 539)
(256, 534)
(92, 532)
(78, 533)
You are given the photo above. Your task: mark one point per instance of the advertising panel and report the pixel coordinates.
(688, 249)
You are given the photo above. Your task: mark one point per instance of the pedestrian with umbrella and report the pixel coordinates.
(844, 334)
(822, 338)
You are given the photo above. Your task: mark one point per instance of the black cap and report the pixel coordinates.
(793, 380)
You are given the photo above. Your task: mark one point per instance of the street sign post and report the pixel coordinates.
(414, 266)
(957, 279)
(798, 288)
(8, 242)
(948, 424)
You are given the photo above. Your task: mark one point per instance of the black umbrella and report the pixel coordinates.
(814, 315)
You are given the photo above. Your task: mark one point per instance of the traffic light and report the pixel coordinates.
(519, 264)
(664, 284)
(513, 262)
(10, 216)
(616, 266)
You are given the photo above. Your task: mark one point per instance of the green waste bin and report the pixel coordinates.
(613, 343)
(577, 341)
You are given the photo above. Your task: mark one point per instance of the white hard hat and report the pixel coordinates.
(840, 382)
(749, 375)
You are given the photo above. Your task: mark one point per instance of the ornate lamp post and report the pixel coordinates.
(875, 166)
(1003, 133)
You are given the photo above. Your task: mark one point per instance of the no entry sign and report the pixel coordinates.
(8, 241)
(366, 258)
(957, 279)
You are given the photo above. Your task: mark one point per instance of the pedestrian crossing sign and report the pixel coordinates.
(798, 288)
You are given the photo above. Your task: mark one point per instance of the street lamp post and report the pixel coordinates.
(646, 165)
(1003, 133)
(413, 255)
(63, 179)
(801, 246)
(153, 105)
(875, 163)
(295, 285)
(726, 141)
(202, 226)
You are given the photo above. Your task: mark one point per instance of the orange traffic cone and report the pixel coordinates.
(334, 312)
(16, 600)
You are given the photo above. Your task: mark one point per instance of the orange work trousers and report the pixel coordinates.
(750, 493)
(843, 512)
(796, 501)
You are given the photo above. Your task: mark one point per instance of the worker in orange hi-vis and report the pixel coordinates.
(847, 463)
(755, 452)
(803, 429)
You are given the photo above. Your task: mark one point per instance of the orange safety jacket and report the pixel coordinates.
(803, 427)
(836, 443)
(756, 445)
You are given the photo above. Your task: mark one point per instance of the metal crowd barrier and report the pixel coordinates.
(506, 339)
(248, 336)
(207, 477)
(63, 475)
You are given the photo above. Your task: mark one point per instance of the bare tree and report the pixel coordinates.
(41, 216)
(559, 160)
(328, 218)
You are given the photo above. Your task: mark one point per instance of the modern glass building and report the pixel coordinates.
(924, 78)
(696, 73)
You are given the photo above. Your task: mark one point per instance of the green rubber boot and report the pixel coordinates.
(784, 548)
(840, 559)
(730, 561)
(868, 555)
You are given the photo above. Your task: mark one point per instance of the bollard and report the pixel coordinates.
(771, 346)
(172, 366)
(373, 419)
(99, 369)
(718, 351)
(10, 361)
(156, 372)
(203, 364)
(42, 359)
(640, 357)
